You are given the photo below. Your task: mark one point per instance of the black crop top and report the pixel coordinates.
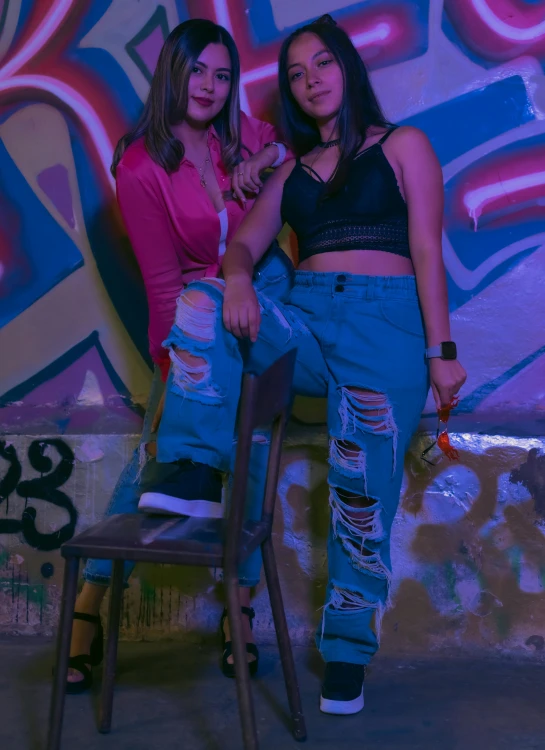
(368, 213)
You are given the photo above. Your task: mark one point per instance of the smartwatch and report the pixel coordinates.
(445, 350)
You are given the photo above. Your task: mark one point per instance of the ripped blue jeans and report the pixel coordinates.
(360, 343)
(275, 274)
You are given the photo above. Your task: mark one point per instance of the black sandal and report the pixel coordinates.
(84, 662)
(229, 669)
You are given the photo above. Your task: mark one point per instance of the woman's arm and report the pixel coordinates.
(423, 186)
(149, 231)
(246, 176)
(252, 239)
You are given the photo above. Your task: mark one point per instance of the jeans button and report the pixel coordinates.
(339, 288)
(341, 278)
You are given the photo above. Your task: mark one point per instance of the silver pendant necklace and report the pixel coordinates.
(202, 169)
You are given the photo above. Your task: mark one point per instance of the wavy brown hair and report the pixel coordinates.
(167, 101)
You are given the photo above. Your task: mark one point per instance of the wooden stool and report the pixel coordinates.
(266, 400)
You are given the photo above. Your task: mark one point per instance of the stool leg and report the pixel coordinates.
(64, 636)
(242, 672)
(108, 675)
(284, 643)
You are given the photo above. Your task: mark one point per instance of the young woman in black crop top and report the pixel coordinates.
(368, 298)
(363, 197)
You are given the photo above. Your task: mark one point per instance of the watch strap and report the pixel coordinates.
(433, 351)
(446, 350)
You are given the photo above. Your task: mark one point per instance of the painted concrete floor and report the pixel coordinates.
(172, 697)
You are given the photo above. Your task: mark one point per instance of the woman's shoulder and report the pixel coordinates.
(411, 145)
(407, 136)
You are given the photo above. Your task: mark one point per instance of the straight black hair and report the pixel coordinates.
(167, 101)
(359, 109)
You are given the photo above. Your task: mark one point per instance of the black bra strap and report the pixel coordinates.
(387, 134)
(305, 166)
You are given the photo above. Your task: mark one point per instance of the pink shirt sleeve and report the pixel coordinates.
(154, 245)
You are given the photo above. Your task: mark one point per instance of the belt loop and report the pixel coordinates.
(370, 287)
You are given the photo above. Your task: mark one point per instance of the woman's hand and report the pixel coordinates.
(447, 377)
(246, 175)
(241, 313)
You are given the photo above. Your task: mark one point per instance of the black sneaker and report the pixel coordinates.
(342, 689)
(191, 490)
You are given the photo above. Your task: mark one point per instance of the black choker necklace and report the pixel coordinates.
(329, 144)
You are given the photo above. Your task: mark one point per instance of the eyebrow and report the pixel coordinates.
(204, 65)
(317, 54)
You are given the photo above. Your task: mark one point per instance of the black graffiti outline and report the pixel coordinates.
(45, 487)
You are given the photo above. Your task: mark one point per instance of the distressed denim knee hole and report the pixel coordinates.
(193, 333)
(362, 520)
(356, 527)
(346, 456)
(196, 315)
(368, 411)
(193, 380)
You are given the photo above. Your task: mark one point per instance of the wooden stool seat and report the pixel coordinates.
(159, 539)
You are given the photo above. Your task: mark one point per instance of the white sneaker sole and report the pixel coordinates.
(157, 502)
(341, 708)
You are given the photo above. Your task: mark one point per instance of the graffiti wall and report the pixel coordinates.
(74, 367)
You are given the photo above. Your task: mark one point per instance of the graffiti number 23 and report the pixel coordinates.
(44, 487)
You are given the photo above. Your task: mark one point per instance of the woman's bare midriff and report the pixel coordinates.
(365, 262)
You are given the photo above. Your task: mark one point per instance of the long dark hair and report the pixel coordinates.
(166, 104)
(359, 110)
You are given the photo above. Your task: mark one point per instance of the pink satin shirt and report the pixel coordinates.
(173, 226)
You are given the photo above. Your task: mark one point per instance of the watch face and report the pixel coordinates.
(448, 350)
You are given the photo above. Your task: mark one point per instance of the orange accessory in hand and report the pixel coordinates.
(442, 438)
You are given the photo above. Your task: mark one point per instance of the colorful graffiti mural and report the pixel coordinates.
(467, 546)
(73, 75)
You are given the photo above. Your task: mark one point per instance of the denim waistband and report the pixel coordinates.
(361, 285)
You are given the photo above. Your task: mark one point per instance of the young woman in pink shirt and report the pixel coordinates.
(186, 176)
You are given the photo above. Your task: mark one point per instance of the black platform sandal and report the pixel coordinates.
(229, 669)
(84, 662)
